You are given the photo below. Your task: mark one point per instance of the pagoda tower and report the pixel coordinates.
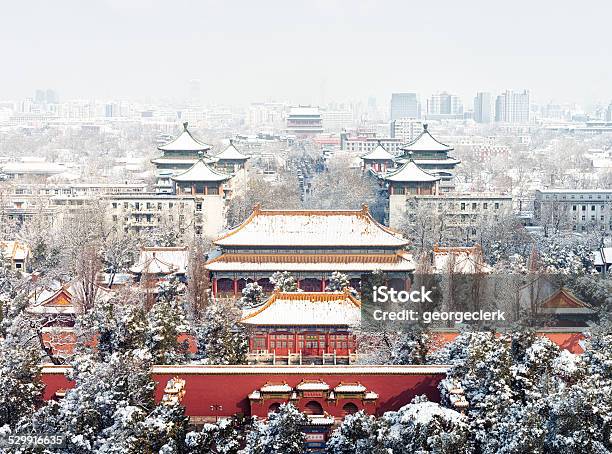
(431, 155)
(177, 156)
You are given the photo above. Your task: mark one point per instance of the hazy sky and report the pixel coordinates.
(301, 51)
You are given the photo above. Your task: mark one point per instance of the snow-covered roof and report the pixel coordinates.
(398, 262)
(311, 228)
(282, 370)
(378, 154)
(466, 260)
(312, 385)
(57, 298)
(231, 153)
(162, 260)
(426, 142)
(201, 171)
(276, 388)
(14, 250)
(305, 308)
(370, 395)
(320, 420)
(184, 142)
(350, 388)
(182, 161)
(37, 168)
(602, 256)
(410, 172)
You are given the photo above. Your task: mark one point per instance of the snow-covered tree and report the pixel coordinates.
(252, 295)
(411, 347)
(280, 434)
(359, 433)
(424, 426)
(338, 282)
(120, 383)
(221, 340)
(284, 281)
(225, 437)
(166, 321)
(21, 389)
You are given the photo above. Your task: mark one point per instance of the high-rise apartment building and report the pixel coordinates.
(444, 105)
(483, 108)
(405, 105)
(512, 107)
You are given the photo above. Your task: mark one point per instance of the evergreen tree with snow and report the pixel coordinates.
(21, 387)
(221, 339)
(338, 282)
(284, 281)
(411, 347)
(359, 433)
(423, 426)
(166, 321)
(224, 437)
(280, 434)
(252, 295)
(105, 391)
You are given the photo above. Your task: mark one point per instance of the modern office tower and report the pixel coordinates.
(483, 108)
(512, 107)
(405, 105)
(444, 105)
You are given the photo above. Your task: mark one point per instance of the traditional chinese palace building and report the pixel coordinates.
(310, 244)
(303, 327)
(432, 156)
(379, 160)
(177, 156)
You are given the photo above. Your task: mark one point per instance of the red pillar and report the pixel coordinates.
(215, 286)
(298, 284)
(327, 342)
(322, 284)
(235, 284)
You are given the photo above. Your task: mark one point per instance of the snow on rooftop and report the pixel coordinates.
(231, 153)
(379, 153)
(410, 172)
(312, 386)
(602, 256)
(162, 260)
(184, 142)
(426, 142)
(398, 262)
(305, 308)
(276, 388)
(350, 388)
(311, 228)
(201, 171)
(282, 370)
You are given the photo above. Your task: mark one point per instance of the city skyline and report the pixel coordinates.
(240, 52)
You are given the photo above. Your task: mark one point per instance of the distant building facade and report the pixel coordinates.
(406, 129)
(578, 210)
(444, 106)
(483, 108)
(405, 105)
(512, 107)
(304, 121)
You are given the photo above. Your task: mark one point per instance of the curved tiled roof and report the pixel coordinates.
(298, 228)
(184, 142)
(426, 142)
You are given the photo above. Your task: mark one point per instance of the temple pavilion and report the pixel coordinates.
(310, 244)
(177, 156)
(410, 179)
(432, 156)
(379, 160)
(231, 160)
(308, 326)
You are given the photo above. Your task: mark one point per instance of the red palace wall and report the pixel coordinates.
(213, 391)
